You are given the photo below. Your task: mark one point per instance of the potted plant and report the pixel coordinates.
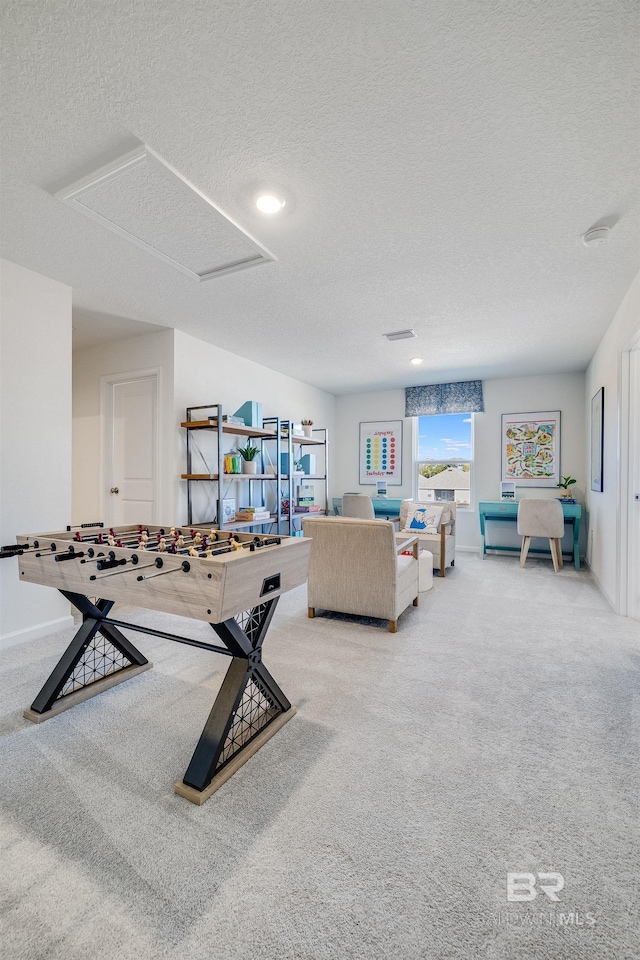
(565, 483)
(249, 454)
(306, 427)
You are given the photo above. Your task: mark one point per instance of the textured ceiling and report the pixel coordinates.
(440, 162)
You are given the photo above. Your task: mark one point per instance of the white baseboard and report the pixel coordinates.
(33, 633)
(604, 593)
(460, 549)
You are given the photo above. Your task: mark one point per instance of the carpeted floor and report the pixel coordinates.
(493, 733)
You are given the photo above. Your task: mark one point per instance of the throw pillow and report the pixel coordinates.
(424, 518)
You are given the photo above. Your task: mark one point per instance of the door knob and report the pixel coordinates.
(114, 490)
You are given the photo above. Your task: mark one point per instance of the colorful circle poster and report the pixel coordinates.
(381, 452)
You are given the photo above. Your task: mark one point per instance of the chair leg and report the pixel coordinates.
(553, 546)
(415, 602)
(524, 550)
(393, 626)
(559, 552)
(311, 612)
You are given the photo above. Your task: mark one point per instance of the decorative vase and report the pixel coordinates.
(249, 466)
(307, 429)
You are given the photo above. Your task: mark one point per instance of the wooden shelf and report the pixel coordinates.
(276, 435)
(232, 524)
(236, 430)
(229, 476)
(246, 476)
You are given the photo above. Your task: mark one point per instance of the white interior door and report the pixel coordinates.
(132, 469)
(633, 538)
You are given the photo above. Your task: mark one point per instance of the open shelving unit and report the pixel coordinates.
(275, 438)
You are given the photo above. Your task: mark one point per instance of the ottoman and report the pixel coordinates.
(425, 571)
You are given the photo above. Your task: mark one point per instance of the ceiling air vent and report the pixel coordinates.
(149, 203)
(401, 335)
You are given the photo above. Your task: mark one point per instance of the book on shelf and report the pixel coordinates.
(250, 513)
(306, 508)
(227, 418)
(305, 496)
(228, 509)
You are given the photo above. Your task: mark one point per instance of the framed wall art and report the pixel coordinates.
(381, 452)
(531, 448)
(597, 430)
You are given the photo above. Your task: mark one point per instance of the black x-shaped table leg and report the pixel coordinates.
(93, 621)
(247, 702)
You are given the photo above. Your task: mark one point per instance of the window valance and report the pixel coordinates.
(463, 397)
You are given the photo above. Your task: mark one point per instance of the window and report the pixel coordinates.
(445, 457)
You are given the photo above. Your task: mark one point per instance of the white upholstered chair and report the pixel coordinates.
(357, 505)
(356, 566)
(541, 518)
(439, 536)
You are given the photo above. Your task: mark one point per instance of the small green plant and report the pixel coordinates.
(248, 452)
(566, 482)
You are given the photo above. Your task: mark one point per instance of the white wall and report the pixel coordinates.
(35, 438)
(564, 392)
(604, 371)
(353, 409)
(192, 373)
(152, 351)
(205, 373)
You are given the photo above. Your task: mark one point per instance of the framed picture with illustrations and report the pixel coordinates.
(531, 448)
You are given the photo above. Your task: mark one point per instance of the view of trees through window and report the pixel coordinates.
(445, 457)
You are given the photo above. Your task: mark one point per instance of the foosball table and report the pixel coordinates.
(230, 580)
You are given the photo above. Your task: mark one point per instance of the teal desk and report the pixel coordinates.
(383, 507)
(507, 510)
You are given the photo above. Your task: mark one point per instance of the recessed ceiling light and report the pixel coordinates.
(416, 361)
(269, 203)
(596, 235)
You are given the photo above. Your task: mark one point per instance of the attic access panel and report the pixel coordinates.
(146, 201)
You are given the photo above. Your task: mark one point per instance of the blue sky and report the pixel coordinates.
(445, 437)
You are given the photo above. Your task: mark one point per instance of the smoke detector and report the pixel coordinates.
(596, 235)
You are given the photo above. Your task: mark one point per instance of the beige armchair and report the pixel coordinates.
(356, 566)
(438, 538)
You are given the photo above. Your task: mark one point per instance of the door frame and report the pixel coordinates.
(107, 384)
(626, 463)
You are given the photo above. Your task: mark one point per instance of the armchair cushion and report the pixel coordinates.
(423, 517)
(441, 543)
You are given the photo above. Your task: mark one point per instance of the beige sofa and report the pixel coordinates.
(442, 543)
(356, 566)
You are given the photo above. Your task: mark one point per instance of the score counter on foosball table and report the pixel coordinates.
(231, 580)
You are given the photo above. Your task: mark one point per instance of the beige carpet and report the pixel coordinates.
(496, 732)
